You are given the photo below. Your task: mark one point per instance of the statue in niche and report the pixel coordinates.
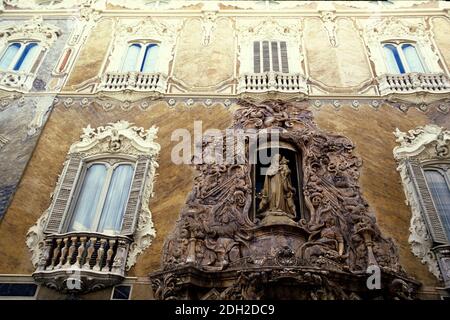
(277, 195)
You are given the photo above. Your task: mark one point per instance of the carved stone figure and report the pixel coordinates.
(277, 194)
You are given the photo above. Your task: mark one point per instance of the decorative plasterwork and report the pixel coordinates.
(35, 29)
(117, 139)
(250, 30)
(422, 144)
(380, 30)
(146, 29)
(329, 22)
(51, 5)
(208, 26)
(3, 141)
(42, 107)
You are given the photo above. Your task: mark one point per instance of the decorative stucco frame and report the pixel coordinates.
(288, 30)
(127, 31)
(35, 29)
(119, 139)
(418, 148)
(390, 29)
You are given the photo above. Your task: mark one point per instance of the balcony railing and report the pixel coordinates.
(136, 81)
(16, 80)
(414, 82)
(89, 260)
(273, 81)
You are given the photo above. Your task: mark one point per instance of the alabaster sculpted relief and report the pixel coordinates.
(420, 145)
(120, 139)
(222, 227)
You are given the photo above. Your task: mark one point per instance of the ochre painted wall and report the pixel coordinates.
(370, 129)
(92, 54)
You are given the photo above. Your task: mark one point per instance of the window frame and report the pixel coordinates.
(443, 167)
(144, 45)
(261, 57)
(121, 285)
(398, 44)
(23, 44)
(86, 164)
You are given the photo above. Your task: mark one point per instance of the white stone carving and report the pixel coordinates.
(422, 144)
(377, 31)
(273, 82)
(50, 5)
(42, 107)
(414, 82)
(35, 29)
(250, 30)
(120, 138)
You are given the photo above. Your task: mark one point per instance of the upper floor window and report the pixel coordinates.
(438, 182)
(102, 198)
(19, 56)
(141, 57)
(403, 58)
(270, 56)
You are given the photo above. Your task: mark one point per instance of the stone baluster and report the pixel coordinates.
(73, 243)
(90, 252)
(81, 250)
(100, 254)
(55, 254)
(63, 253)
(44, 258)
(110, 253)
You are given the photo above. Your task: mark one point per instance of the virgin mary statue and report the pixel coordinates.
(277, 195)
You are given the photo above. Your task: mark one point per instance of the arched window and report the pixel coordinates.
(402, 58)
(140, 58)
(412, 58)
(438, 182)
(19, 56)
(270, 56)
(102, 198)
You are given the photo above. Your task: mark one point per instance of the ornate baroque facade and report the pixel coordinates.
(93, 94)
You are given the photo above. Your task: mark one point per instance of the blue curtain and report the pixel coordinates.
(116, 199)
(393, 60)
(150, 58)
(412, 58)
(440, 192)
(28, 57)
(84, 213)
(131, 58)
(9, 55)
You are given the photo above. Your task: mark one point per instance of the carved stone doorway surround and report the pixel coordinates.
(216, 251)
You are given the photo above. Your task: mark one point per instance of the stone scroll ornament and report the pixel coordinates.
(216, 236)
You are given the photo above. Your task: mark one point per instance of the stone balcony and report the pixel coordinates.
(273, 82)
(415, 87)
(134, 81)
(15, 80)
(82, 261)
